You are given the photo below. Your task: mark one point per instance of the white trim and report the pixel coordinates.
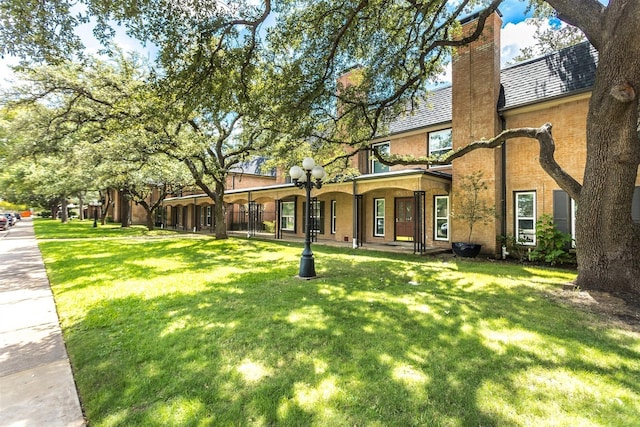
(334, 205)
(436, 227)
(376, 217)
(528, 238)
(373, 158)
(574, 205)
(293, 217)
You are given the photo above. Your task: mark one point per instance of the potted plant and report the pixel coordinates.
(471, 209)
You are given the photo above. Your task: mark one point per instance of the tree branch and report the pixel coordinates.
(542, 134)
(584, 14)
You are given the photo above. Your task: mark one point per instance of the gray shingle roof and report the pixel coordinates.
(570, 70)
(562, 73)
(436, 109)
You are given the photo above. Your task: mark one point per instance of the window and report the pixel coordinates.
(287, 217)
(440, 142)
(526, 217)
(333, 217)
(378, 217)
(376, 166)
(441, 219)
(208, 215)
(317, 216)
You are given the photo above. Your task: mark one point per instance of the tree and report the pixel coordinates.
(134, 122)
(401, 47)
(471, 208)
(46, 177)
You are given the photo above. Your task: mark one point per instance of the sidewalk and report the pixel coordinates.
(36, 383)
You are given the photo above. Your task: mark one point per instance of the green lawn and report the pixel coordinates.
(195, 332)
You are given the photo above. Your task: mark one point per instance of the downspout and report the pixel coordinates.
(503, 184)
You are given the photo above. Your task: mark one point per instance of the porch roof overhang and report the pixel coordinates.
(411, 179)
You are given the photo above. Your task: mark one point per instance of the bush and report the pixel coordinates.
(269, 226)
(45, 214)
(552, 244)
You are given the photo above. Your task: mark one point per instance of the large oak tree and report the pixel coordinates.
(399, 45)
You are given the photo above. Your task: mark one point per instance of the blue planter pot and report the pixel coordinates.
(466, 250)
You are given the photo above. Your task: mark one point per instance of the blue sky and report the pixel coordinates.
(515, 35)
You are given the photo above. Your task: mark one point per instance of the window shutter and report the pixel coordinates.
(562, 211)
(635, 205)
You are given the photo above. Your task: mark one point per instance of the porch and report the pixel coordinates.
(394, 247)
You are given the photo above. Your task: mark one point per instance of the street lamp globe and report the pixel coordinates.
(308, 163)
(296, 172)
(317, 172)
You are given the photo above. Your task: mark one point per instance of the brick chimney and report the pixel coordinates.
(350, 80)
(475, 93)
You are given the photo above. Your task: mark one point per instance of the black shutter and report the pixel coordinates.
(562, 211)
(635, 205)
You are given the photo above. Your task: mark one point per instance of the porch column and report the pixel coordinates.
(419, 223)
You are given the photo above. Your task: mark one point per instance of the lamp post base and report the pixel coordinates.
(307, 267)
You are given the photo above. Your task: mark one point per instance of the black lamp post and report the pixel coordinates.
(302, 179)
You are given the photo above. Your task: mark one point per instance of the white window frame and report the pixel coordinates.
(291, 219)
(431, 138)
(333, 216)
(378, 218)
(529, 238)
(208, 215)
(574, 206)
(437, 220)
(375, 162)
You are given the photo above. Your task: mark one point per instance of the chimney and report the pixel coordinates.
(475, 94)
(349, 84)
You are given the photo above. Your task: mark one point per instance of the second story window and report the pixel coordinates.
(376, 166)
(440, 142)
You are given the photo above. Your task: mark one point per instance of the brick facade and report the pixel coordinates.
(481, 102)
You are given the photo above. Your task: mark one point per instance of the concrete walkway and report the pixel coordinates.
(36, 383)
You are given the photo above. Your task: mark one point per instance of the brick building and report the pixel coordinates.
(414, 204)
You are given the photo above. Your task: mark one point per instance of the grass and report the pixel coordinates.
(198, 332)
(54, 229)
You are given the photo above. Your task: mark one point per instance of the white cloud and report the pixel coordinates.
(515, 37)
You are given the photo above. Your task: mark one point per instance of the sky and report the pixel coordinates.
(516, 34)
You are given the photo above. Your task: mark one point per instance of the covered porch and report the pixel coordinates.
(400, 210)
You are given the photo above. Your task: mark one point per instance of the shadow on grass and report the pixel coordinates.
(400, 342)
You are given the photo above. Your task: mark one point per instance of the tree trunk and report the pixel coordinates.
(150, 223)
(124, 211)
(80, 207)
(64, 211)
(219, 213)
(54, 209)
(608, 242)
(105, 203)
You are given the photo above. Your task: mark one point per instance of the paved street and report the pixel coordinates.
(36, 383)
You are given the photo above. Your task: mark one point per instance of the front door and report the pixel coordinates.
(404, 219)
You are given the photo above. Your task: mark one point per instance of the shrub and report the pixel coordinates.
(269, 226)
(45, 214)
(552, 244)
